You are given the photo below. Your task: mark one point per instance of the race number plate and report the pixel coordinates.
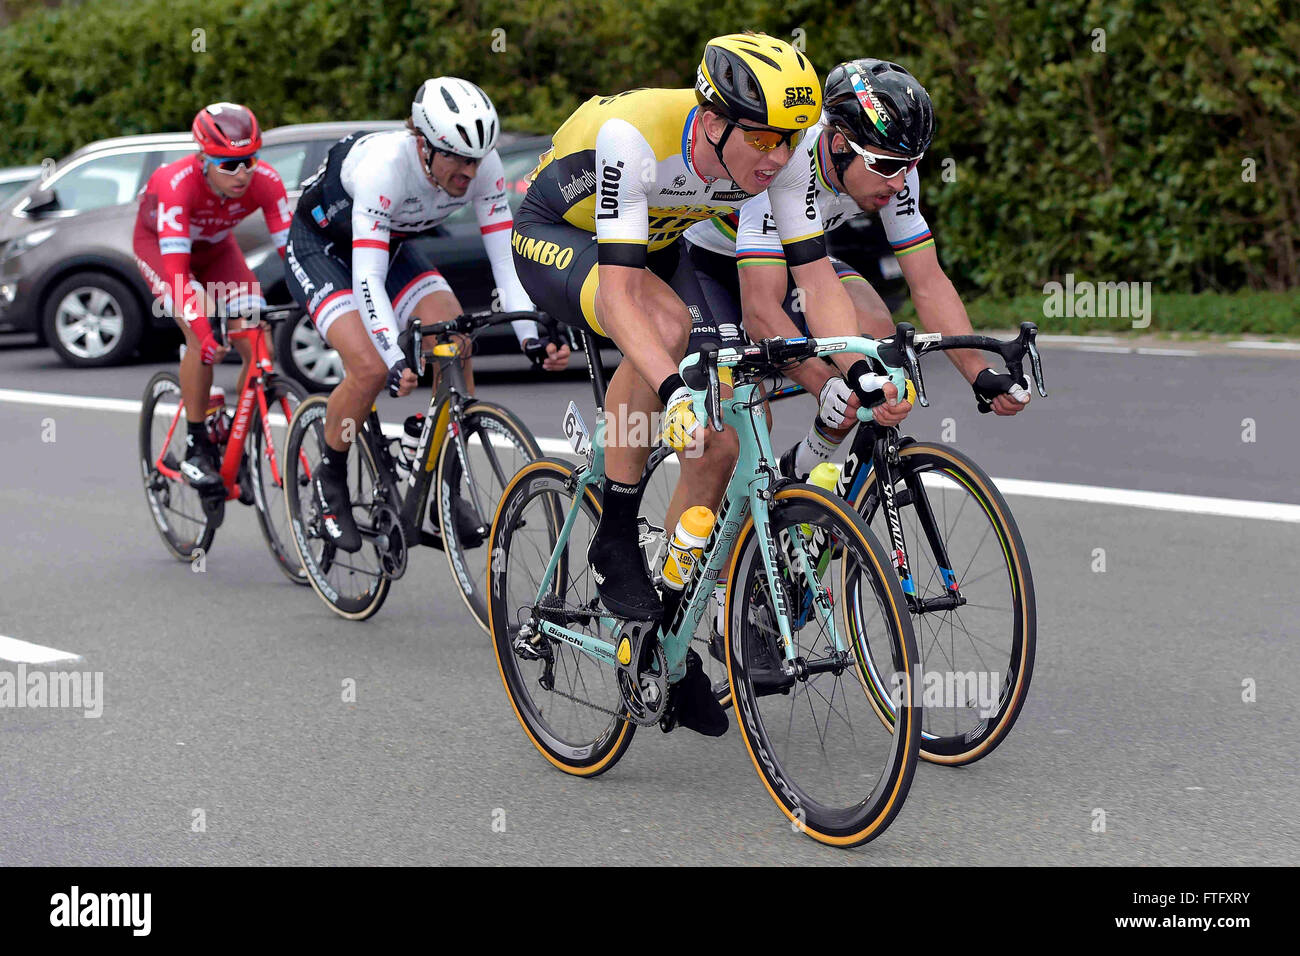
(575, 430)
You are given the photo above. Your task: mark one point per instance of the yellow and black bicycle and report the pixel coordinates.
(466, 452)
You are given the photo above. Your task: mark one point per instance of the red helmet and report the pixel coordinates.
(227, 130)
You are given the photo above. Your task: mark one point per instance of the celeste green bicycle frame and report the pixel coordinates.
(748, 492)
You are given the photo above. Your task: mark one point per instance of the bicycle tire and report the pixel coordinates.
(583, 758)
(283, 395)
(479, 419)
(310, 416)
(159, 490)
(966, 747)
(849, 821)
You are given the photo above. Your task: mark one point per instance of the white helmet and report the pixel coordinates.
(456, 116)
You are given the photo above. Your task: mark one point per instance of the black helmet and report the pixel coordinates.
(879, 105)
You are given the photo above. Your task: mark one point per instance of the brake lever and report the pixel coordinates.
(713, 397)
(911, 363)
(417, 346)
(1028, 337)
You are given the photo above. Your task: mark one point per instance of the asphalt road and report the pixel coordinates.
(223, 690)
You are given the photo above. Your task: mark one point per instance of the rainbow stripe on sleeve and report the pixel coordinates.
(909, 245)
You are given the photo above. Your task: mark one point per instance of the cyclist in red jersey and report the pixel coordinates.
(185, 250)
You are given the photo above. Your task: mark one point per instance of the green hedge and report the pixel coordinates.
(1116, 165)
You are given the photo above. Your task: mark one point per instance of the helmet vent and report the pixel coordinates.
(451, 103)
(766, 59)
(463, 135)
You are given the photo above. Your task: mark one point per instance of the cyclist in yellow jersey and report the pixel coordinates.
(596, 240)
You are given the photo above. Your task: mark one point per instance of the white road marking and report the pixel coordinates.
(24, 652)
(1104, 348)
(1150, 351)
(1061, 491)
(1277, 346)
(1075, 339)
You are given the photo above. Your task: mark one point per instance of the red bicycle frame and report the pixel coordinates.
(254, 389)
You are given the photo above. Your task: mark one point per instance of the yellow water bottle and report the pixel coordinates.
(825, 476)
(687, 546)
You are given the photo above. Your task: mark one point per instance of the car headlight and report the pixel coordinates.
(23, 243)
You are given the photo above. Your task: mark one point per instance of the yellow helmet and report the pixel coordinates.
(759, 78)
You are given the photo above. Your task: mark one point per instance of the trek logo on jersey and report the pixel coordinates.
(578, 186)
(385, 202)
(610, 177)
(546, 253)
(799, 96)
(168, 217)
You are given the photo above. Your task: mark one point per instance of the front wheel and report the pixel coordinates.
(978, 654)
(497, 445)
(177, 509)
(813, 735)
(265, 450)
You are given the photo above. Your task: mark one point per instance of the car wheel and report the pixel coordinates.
(92, 319)
(303, 355)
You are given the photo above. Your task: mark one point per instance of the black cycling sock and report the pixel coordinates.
(336, 463)
(622, 502)
(196, 431)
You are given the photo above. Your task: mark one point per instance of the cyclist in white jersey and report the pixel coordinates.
(877, 112)
(353, 267)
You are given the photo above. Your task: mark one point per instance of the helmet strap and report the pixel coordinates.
(718, 146)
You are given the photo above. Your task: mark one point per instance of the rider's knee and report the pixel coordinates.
(370, 373)
(721, 449)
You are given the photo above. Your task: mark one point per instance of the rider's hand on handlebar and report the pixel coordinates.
(545, 352)
(999, 392)
(892, 411)
(211, 351)
(401, 380)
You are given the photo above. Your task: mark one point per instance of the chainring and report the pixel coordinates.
(390, 541)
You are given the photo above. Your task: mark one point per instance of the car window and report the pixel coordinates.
(517, 166)
(288, 160)
(100, 182)
(8, 189)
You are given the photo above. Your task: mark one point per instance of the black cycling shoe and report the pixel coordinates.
(200, 466)
(622, 579)
(692, 703)
(785, 465)
(336, 511)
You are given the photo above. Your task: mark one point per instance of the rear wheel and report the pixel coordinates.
(354, 586)
(266, 469)
(497, 445)
(569, 704)
(177, 509)
(814, 737)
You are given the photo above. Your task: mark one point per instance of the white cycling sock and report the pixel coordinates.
(817, 447)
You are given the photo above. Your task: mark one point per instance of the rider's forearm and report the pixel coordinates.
(369, 270)
(831, 313)
(939, 309)
(768, 320)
